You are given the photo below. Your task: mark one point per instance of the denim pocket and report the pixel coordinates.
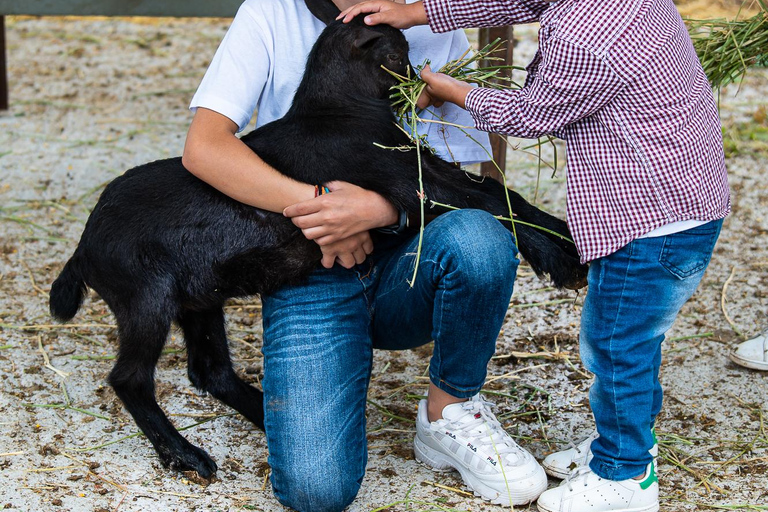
(687, 253)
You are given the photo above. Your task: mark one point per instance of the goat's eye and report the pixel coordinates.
(393, 57)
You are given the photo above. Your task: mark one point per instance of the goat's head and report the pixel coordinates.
(347, 60)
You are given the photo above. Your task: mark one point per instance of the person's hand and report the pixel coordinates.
(347, 252)
(346, 211)
(441, 88)
(395, 13)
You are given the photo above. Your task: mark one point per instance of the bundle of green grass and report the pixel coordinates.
(727, 49)
(493, 73)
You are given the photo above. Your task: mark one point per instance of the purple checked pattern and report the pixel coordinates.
(619, 80)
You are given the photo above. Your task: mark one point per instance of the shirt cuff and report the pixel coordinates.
(439, 15)
(479, 102)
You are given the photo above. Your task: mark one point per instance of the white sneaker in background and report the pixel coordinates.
(584, 491)
(560, 464)
(752, 353)
(470, 440)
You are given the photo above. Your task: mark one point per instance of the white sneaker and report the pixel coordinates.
(471, 440)
(584, 491)
(561, 464)
(752, 353)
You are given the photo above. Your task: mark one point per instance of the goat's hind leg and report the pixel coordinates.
(210, 367)
(142, 335)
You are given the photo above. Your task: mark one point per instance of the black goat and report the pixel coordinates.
(163, 246)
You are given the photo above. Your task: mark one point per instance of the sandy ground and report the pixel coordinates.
(92, 98)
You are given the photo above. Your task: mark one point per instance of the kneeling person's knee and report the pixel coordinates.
(316, 488)
(481, 245)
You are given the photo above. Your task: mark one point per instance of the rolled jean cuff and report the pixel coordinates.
(618, 473)
(458, 392)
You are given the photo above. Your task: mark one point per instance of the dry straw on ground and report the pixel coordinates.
(91, 98)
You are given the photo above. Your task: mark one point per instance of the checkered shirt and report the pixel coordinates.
(619, 80)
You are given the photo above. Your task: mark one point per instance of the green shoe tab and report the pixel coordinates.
(650, 478)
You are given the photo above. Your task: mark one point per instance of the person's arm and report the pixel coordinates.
(446, 15)
(338, 222)
(571, 83)
(214, 154)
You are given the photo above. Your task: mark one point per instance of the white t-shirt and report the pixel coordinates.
(261, 60)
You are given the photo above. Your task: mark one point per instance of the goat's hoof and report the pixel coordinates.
(576, 284)
(192, 459)
(577, 278)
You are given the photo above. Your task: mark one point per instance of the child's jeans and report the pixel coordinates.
(634, 296)
(319, 339)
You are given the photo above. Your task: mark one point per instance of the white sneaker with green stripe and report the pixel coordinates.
(560, 464)
(471, 440)
(584, 491)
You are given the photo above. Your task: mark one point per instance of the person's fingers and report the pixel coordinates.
(424, 100)
(311, 220)
(346, 260)
(377, 19)
(328, 260)
(326, 238)
(368, 246)
(364, 7)
(377, 12)
(313, 205)
(320, 235)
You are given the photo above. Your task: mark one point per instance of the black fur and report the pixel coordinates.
(324, 10)
(162, 246)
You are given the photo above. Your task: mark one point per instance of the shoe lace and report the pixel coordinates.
(578, 474)
(587, 441)
(481, 425)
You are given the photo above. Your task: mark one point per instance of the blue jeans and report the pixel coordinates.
(633, 298)
(319, 339)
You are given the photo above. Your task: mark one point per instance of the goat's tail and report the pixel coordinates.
(67, 292)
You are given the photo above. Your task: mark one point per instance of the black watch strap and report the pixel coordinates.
(396, 229)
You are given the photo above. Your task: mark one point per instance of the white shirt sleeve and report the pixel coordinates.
(235, 79)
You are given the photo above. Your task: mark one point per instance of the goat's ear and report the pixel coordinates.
(366, 36)
(324, 10)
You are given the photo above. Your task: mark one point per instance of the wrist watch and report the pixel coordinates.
(396, 229)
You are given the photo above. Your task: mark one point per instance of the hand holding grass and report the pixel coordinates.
(441, 88)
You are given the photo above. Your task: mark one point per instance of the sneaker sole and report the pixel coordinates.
(560, 474)
(441, 463)
(649, 508)
(748, 363)
(555, 472)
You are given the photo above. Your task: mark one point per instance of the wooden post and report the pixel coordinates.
(488, 35)
(3, 68)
